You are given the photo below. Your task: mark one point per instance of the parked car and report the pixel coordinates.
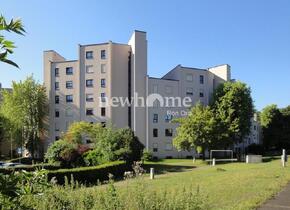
(11, 165)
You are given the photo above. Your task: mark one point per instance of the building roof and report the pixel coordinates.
(163, 79)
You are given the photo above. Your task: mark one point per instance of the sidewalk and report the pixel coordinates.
(281, 201)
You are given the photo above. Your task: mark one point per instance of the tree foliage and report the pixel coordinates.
(107, 144)
(6, 46)
(198, 130)
(220, 125)
(25, 108)
(233, 106)
(276, 127)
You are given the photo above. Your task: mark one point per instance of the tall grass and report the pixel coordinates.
(135, 196)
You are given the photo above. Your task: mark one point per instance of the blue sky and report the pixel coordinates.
(253, 36)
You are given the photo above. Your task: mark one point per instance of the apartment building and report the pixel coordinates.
(79, 90)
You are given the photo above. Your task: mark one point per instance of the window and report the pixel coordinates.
(89, 97)
(103, 83)
(56, 138)
(56, 85)
(168, 146)
(69, 112)
(168, 132)
(189, 77)
(89, 112)
(201, 94)
(69, 98)
(201, 79)
(103, 97)
(89, 83)
(168, 118)
(155, 118)
(56, 99)
(56, 113)
(69, 84)
(103, 54)
(155, 88)
(155, 147)
(89, 55)
(168, 89)
(255, 127)
(103, 111)
(69, 70)
(155, 132)
(103, 68)
(56, 72)
(189, 91)
(89, 69)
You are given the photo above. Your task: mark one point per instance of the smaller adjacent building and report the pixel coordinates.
(255, 136)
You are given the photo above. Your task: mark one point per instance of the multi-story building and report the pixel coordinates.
(79, 90)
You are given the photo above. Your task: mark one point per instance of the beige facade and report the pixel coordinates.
(180, 82)
(79, 90)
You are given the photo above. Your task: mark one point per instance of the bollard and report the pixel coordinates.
(151, 173)
(247, 159)
(283, 158)
(213, 162)
(193, 160)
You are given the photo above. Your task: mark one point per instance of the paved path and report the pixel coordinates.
(281, 201)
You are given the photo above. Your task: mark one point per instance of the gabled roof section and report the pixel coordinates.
(183, 67)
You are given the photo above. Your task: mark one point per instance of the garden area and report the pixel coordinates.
(178, 184)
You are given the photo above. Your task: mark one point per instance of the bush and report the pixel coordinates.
(94, 158)
(68, 154)
(89, 175)
(147, 156)
(138, 196)
(109, 144)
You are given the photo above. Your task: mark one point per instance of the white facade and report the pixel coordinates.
(76, 88)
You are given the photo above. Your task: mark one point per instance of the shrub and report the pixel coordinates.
(137, 196)
(93, 158)
(147, 156)
(109, 144)
(68, 154)
(88, 175)
(16, 185)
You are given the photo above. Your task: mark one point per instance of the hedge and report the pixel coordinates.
(90, 175)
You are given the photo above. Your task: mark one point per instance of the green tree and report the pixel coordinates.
(6, 46)
(198, 130)
(233, 106)
(273, 127)
(25, 108)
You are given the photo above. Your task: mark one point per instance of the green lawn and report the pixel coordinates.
(227, 186)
